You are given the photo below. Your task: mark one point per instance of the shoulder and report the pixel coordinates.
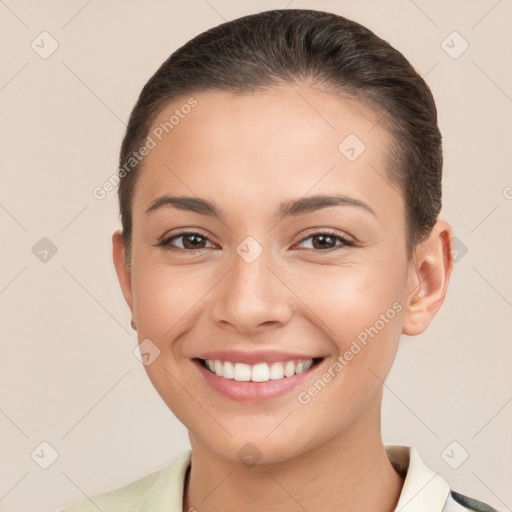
(126, 497)
(457, 502)
(111, 501)
(160, 490)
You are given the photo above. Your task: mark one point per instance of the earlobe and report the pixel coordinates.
(122, 268)
(429, 277)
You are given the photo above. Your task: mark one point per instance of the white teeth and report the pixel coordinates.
(218, 368)
(260, 372)
(242, 371)
(228, 372)
(289, 369)
(276, 371)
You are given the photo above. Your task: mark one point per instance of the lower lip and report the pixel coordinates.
(253, 391)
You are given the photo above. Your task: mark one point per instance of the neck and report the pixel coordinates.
(349, 472)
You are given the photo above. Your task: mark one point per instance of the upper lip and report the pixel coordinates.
(263, 356)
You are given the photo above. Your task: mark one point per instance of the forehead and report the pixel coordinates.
(282, 142)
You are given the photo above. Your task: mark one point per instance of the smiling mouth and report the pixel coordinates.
(260, 372)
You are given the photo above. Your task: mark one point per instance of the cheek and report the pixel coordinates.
(349, 298)
(165, 298)
(361, 312)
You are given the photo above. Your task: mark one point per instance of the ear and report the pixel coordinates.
(122, 268)
(429, 275)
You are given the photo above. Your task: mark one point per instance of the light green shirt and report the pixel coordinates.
(162, 491)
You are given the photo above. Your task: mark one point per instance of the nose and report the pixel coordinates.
(252, 297)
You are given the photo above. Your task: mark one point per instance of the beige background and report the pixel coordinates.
(68, 375)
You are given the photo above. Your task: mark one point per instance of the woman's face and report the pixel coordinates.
(267, 281)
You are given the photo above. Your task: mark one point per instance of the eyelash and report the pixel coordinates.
(166, 243)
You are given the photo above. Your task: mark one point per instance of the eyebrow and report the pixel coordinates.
(286, 209)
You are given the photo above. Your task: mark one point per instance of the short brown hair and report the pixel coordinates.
(270, 48)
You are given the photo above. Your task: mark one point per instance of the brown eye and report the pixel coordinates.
(191, 242)
(326, 240)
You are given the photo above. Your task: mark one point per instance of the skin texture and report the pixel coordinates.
(248, 153)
